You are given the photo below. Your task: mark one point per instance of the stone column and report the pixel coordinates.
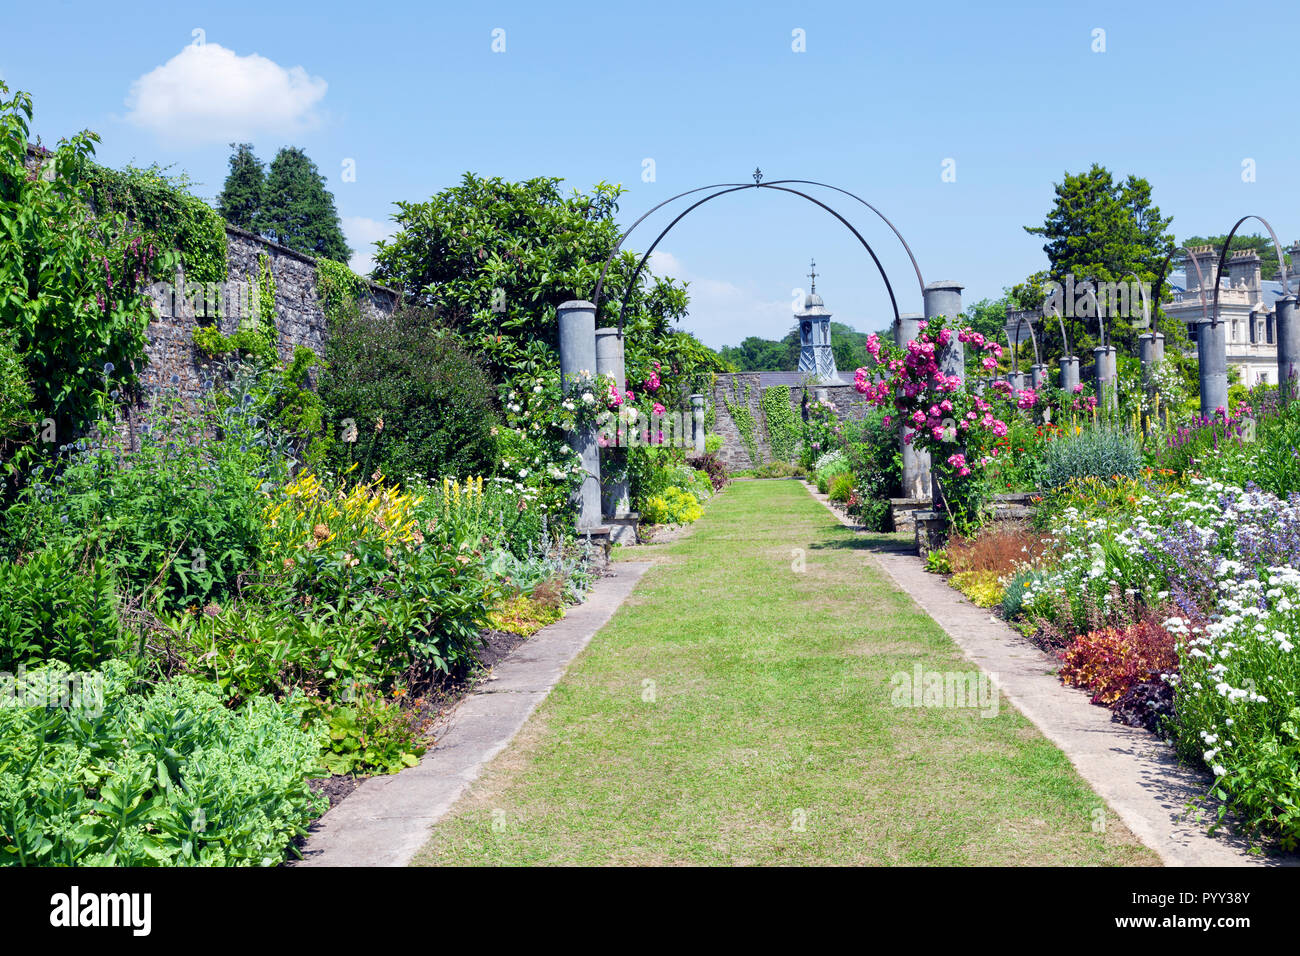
(1105, 377)
(1038, 375)
(610, 361)
(916, 463)
(1016, 380)
(1069, 372)
(944, 298)
(578, 354)
(697, 422)
(1151, 352)
(1286, 329)
(1212, 354)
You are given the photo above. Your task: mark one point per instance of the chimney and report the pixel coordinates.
(1208, 260)
(1243, 269)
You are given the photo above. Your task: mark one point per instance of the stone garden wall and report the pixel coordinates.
(174, 363)
(745, 389)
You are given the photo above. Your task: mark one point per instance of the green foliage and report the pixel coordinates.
(240, 202)
(161, 204)
(422, 405)
(71, 282)
(372, 735)
(782, 426)
(757, 354)
(936, 562)
(15, 392)
(1102, 453)
(52, 609)
(338, 288)
(712, 444)
(841, 487)
(672, 506)
(179, 518)
(298, 211)
(739, 411)
(169, 777)
(1100, 230)
(500, 256)
(1013, 599)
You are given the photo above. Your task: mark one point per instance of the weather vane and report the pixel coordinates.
(812, 274)
(758, 176)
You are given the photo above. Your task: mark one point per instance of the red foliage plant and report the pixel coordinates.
(1002, 547)
(1111, 660)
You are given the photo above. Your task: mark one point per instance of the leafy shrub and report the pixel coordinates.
(372, 734)
(984, 588)
(73, 276)
(673, 506)
(50, 609)
(1102, 452)
(169, 777)
(841, 487)
(422, 406)
(936, 562)
(712, 443)
(179, 517)
(1110, 661)
(713, 467)
(542, 563)
(362, 555)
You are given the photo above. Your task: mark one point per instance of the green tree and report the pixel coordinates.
(298, 211)
(240, 202)
(1100, 230)
(502, 255)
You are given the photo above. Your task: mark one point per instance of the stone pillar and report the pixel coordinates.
(1286, 328)
(578, 354)
(610, 361)
(1105, 377)
(1069, 372)
(1016, 380)
(1212, 354)
(697, 422)
(944, 298)
(1151, 352)
(916, 463)
(820, 394)
(1038, 375)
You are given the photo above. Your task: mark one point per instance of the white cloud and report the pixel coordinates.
(721, 312)
(362, 233)
(208, 94)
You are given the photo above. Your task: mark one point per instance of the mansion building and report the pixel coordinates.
(1246, 307)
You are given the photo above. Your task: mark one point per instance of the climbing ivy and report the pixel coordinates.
(257, 335)
(337, 287)
(160, 204)
(744, 419)
(782, 426)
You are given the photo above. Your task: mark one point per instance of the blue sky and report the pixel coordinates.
(413, 93)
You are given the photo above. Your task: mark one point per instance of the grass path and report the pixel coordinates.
(737, 711)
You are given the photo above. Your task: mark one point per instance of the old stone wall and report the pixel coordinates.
(745, 389)
(174, 363)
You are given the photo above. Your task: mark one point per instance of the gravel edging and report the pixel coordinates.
(387, 819)
(1135, 772)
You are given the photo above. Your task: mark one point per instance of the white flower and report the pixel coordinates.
(1219, 770)
(588, 398)
(537, 389)
(523, 472)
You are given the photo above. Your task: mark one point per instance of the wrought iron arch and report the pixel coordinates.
(726, 188)
(1223, 258)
